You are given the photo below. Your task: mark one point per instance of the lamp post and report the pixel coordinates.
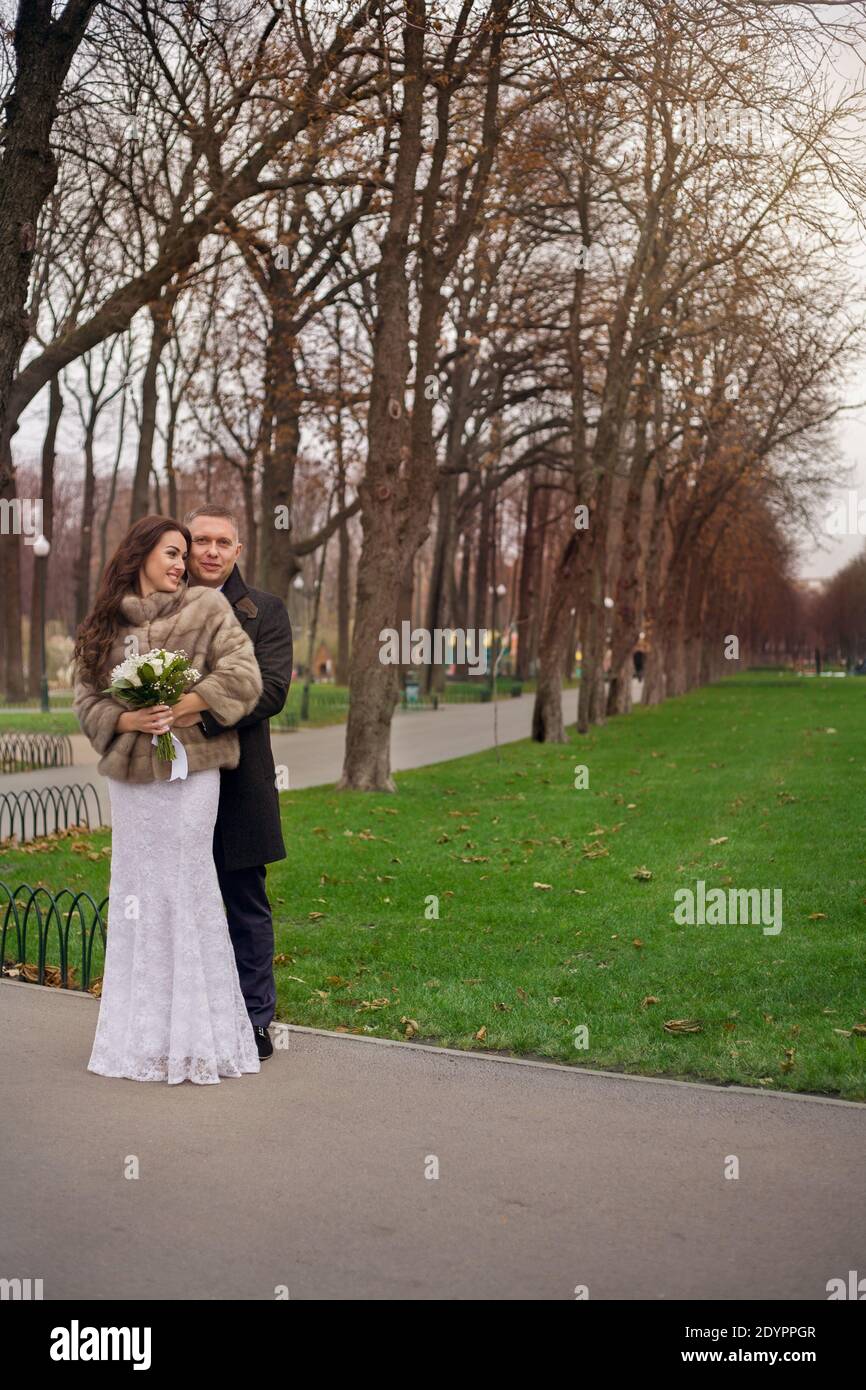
(498, 593)
(41, 549)
(608, 633)
(298, 583)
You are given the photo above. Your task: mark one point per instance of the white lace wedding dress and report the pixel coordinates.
(172, 1008)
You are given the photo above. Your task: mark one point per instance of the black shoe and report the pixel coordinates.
(263, 1042)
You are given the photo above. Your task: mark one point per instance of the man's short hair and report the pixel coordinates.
(225, 512)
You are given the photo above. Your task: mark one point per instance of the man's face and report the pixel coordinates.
(214, 550)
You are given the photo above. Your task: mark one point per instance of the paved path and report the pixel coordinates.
(311, 1174)
(314, 757)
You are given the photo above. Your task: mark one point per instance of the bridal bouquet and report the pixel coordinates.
(157, 678)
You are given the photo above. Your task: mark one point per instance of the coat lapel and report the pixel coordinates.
(238, 595)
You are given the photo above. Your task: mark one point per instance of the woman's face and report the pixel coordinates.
(165, 565)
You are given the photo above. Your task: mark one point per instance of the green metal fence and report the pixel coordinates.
(43, 810)
(27, 752)
(66, 926)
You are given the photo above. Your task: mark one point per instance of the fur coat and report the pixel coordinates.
(200, 622)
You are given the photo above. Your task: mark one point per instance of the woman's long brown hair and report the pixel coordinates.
(96, 634)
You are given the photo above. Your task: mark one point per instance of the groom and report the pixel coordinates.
(247, 835)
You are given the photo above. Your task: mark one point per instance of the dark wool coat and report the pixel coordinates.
(248, 823)
(200, 622)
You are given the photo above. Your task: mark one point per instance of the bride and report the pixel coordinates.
(172, 1008)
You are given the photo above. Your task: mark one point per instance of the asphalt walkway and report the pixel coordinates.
(314, 757)
(312, 1175)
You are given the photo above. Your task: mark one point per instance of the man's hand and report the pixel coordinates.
(185, 721)
(187, 711)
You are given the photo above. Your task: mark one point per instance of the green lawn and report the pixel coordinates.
(769, 767)
(32, 722)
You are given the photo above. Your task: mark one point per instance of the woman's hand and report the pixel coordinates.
(154, 719)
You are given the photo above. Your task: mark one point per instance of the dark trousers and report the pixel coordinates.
(251, 929)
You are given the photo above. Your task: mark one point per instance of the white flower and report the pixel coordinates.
(157, 659)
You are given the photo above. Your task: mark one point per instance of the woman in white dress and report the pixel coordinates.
(171, 1008)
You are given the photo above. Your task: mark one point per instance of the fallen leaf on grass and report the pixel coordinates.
(643, 873)
(683, 1025)
(649, 999)
(542, 885)
(719, 840)
(481, 1035)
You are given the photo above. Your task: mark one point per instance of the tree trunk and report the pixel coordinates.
(387, 509)
(10, 572)
(547, 723)
(531, 576)
(82, 564)
(443, 563)
(112, 490)
(627, 599)
(482, 560)
(37, 617)
(149, 405)
(251, 558)
(341, 671)
(460, 589)
(44, 48)
(343, 558)
(653, 676)
(590, 705)
(276, 556)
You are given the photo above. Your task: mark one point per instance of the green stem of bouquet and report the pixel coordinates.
(165, 748)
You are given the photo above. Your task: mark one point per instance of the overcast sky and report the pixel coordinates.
(823, 558)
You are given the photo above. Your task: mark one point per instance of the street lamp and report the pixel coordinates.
(498, 593)
(609, 605)
(41, 549)
(300, 586)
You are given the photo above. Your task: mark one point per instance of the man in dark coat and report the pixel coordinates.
(247, 835)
